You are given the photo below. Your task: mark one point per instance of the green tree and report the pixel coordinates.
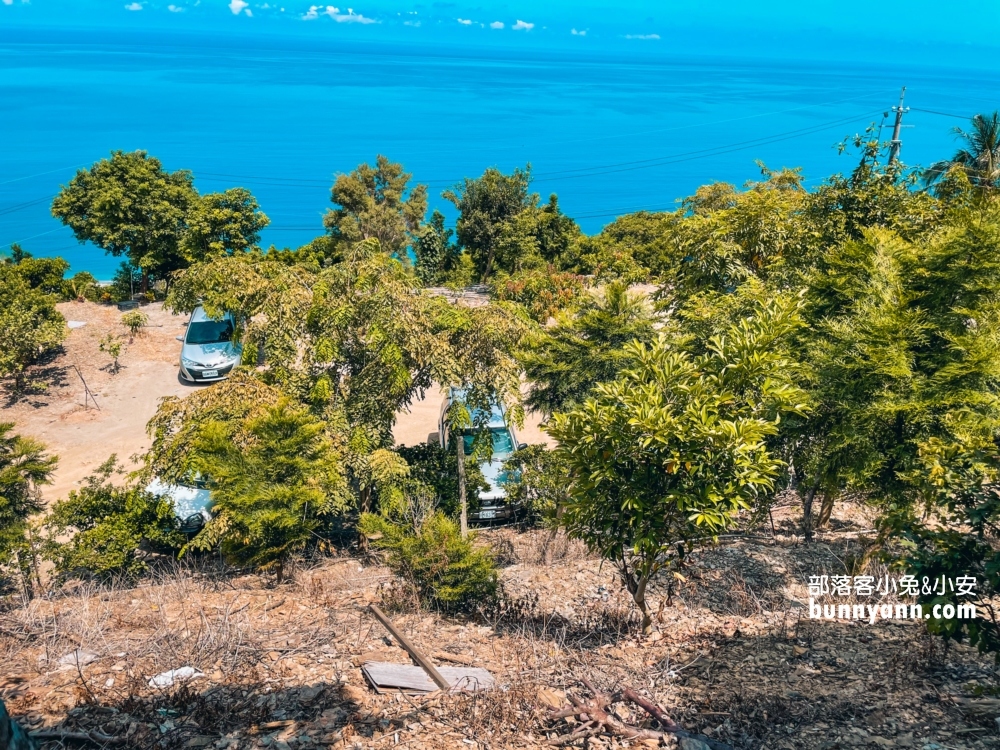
(979, 157)
(222, 224)
(129, 205)
(565, 362)
(30, 325)
(107, 525)
(272, 478)
(134, 321)
(486, 205)
(24, 468)
(377, 203)
(435, 253)
(446, 571)
(665, 457)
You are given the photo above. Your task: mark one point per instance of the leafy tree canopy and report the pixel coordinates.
(129, 205)
(377, 203)
(223, 224)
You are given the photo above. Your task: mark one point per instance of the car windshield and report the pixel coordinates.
(210, 332)
(503, 443)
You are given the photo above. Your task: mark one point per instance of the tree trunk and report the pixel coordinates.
(826, 509)
(463, 501)
(637, 588)
(145, 281)
(807, 507)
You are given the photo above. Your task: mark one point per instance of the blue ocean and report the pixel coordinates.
(609, 131)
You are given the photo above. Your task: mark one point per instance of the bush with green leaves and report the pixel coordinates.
(665, 457)
(30, 324)
(447, 573)
(107, 524)
(24, 467)
(134, 321)
(273, 476)
(81, 286)
(112, 345)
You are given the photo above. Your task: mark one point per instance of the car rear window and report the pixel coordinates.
(210, 332)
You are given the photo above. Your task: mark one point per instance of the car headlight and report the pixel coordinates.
(189, 362)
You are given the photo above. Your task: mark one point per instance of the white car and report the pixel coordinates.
(493, 502)
(192, 502)
(208, 352)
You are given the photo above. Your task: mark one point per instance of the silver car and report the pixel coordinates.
(209, 352)
(493, 504)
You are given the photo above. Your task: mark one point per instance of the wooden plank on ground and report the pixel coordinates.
(390, 677)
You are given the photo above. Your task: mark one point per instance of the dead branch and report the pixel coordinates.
(595, 719)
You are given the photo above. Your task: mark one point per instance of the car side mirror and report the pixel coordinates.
(179, 338)
(522, 446)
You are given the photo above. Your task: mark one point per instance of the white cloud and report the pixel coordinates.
(496, 25)
(316, 11)
(8, 2)
(133, 6)
(642, 36)
(574, 32)
(463, 21)
(522, 26)
(237, 5)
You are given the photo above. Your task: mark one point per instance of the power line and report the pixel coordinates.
(943, 114)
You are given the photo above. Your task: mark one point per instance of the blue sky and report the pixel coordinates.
(777, 27)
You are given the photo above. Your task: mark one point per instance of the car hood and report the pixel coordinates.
(186, 500)
(212, 355)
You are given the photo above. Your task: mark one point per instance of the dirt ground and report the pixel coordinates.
(83, 436)
(734, 656)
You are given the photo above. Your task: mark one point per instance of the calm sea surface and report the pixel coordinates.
(609, 134)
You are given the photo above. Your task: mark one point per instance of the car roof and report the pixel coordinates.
(497, 417)
(200, 316)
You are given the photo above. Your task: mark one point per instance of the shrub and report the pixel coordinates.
(107, 525)
(447, 572)
(30, 325)
(112, 346)
(135, 321)
(81, 286)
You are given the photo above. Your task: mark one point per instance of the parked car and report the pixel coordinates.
(493, 504)
(191, 500)
(209, 352)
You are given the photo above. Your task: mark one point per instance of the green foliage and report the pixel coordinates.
(375, 203)
(978, 159)
(667, 455)
(447, 572)
(272, 477)
(112, 345)
(81, 286)
(106, 524)
(436, 469)
(486, 206)
(435, 253)
(30, 325)
(134, 321)
(538, 482)
(126, 282)
(222, 224)
(543, 292)
(24, 467)
(44, 274)
(565, 362)
(129, 205)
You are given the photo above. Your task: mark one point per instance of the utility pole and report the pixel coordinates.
(896, 143)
